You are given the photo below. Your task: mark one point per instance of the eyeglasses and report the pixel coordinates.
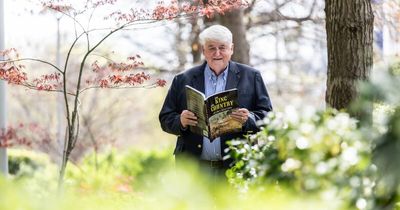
(221, 49)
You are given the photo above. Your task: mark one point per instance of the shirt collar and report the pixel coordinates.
(209, 74)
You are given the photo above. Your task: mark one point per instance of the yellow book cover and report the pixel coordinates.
(213, 112)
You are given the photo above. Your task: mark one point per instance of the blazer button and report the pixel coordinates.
(199, 146)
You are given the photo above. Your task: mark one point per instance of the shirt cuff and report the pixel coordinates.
(184, 129)
(251, 116)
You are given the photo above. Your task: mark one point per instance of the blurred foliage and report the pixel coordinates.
(139, 180)
(20, 164)
(34, 170)
(394, 68)
(383, 92)
(379, 96)
(318, 152)
(129, 171)
(301, 159)
(329, 151)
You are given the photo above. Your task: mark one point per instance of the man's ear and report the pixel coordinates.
(232, 45)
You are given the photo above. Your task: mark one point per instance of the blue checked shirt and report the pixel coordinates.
(213, 84)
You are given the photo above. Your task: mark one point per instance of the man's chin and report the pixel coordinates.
(218, 64)
(218, 68)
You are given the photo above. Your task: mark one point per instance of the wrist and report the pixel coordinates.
(183, 128)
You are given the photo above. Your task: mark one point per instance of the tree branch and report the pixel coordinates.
(120, 87)
(33, 59)
(276, 16)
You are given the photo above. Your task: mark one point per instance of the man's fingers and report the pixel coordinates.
(188, 114)
(235, 116)
(188, 118)
(192, 122)
(240, 115)
(191, 117)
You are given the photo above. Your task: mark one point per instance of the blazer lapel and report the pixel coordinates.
(198, 79)
(233, 76)
(232, 79)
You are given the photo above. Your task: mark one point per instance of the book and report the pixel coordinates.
(213, 112)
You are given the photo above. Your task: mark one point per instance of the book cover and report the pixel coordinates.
(213, 112)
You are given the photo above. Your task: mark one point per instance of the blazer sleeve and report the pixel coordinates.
(262, 104)
(170, 114)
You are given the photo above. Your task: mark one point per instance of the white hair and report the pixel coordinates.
(216, 33)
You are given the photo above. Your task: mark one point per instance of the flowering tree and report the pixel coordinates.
(94, 73)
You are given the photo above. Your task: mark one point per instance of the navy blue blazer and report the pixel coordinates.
(252, 95)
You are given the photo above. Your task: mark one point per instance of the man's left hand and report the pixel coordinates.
(241, 115)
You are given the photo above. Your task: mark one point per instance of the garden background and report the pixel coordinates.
(307, 156)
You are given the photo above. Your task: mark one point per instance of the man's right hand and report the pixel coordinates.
(188, 118)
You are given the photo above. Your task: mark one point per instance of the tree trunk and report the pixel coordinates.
(3, 102)
(64, 162)
(194, 41)
(349, 28)
(234, 21)
(180, 46)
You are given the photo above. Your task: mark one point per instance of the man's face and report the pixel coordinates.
(217, 55)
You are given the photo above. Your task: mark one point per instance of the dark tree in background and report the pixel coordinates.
(349, 28)
(234, 21)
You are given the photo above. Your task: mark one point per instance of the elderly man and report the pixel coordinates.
(216, 74)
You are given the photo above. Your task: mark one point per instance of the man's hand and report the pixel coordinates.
(188, 118)
(241, 115)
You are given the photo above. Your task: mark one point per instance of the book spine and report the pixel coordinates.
(206, 117)
(206, 113)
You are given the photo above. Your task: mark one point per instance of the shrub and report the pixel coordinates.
(127, 171)
(306, 151)
(33, 169)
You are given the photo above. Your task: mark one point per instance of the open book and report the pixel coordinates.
(213, 112)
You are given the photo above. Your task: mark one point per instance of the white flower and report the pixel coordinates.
(350, 156)
(322, 168)
(306, 128)
(290, 165)
(361, 203)
(302, 143)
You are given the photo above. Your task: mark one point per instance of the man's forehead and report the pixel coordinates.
(216, 43)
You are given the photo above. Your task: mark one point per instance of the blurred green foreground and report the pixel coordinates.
(301, 159)
(136, 180)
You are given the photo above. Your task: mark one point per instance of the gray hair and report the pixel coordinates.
(216, 33)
